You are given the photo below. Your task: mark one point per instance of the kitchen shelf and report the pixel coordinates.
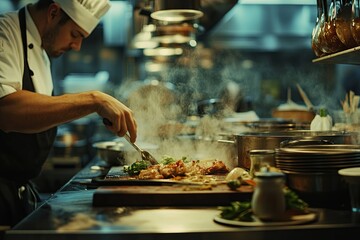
(349, 56)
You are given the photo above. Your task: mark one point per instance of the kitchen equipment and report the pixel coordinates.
(261, 158)
(210, 106)
(292, 219)
(355, 21)
(159, 5)
(275, 125)
(175, 195)
(111, 151)
(244, 142)
(233, 125)
(331, 43)
(304, 96)
(176, 15)
(175, 23)
(268, 200)
(293, 111)
(81, 82)
(69, 150)
(343, 24)
(319, 189)
(352, 177)
(315, 42)
(312, 170)
(351, 103)
(325, 158)
(145, 155)
(317, 182)
(301, 116)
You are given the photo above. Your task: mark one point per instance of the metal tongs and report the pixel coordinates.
(145, 155)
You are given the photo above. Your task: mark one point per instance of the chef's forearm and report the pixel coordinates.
(29, 112)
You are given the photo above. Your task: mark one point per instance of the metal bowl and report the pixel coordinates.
(315, 182)
(325, 190)
(111, 151)
(302, 116)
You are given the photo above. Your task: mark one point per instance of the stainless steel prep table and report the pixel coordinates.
(69, 214)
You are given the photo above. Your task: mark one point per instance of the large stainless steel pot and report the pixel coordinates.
(245, 142)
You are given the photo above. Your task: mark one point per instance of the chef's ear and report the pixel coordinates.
(54, 10)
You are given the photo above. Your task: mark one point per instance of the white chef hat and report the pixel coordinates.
(85, 13)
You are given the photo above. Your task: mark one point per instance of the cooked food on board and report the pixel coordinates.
(176, 168)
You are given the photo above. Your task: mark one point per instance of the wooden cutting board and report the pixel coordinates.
(175, 195)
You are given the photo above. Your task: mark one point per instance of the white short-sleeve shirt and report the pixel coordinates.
(12, 56)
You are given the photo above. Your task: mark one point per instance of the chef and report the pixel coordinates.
(29, 113)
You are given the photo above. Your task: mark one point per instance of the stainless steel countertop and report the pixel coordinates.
(69, 214)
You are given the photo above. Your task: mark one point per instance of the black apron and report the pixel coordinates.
(21, 157)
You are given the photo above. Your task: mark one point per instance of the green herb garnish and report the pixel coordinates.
(234, 184)
(167, 160)
(241, 211)
(136, 167)
(293, 201)
(237, 211)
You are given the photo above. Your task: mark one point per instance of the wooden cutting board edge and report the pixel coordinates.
(152, 196)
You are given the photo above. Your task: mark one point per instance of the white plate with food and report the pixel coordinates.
(291, 219)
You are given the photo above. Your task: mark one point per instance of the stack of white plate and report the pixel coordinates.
(326, 158)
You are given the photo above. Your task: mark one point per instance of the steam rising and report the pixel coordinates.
(203, 74)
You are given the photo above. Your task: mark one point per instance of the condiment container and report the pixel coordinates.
(320, 19)
(268, 200)
(343, 23)
(332, 43)
(355, 21)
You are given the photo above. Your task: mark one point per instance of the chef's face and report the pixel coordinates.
(62, 35)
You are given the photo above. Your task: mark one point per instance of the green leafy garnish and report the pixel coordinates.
(293, 201)
(136, 167)
(237, 211)
(234, 184)
(241, 211)
(167, 160)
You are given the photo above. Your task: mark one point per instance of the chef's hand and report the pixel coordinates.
(119, 118)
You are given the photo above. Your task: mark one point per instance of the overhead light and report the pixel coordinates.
(143, 39)
(164, 52)
(176, 39)
(144, 44)
(154, 67)
(176, 15)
